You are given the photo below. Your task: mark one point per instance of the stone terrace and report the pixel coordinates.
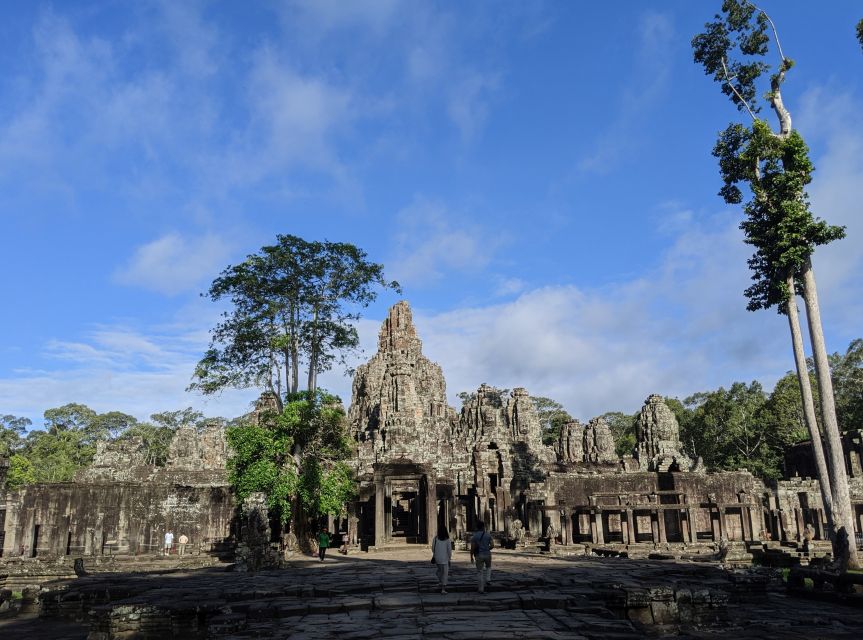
(394, 595)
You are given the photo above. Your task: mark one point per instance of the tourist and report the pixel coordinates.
(442, 556)
(481, 545)
(182, 541)
(323, 543)
(169, 542)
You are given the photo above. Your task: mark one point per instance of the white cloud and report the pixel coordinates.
(830, 120)
(429, 245)
(121, 368)
(173, 263)
(468, 102)
(679, 329)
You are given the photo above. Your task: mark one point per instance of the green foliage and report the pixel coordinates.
(552, 416)
(860, 33)
(738, 40)
(12, 430)
(774, 167)
(297, 456)
(20, 471)
(156, 441)
(847, 374)
(173, 420)
(783, 412)
(743, 427)
(623, 430)
(778, 223)
(293, 301)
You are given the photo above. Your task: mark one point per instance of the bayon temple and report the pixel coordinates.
(420, 463)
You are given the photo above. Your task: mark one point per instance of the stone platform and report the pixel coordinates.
(394, 595)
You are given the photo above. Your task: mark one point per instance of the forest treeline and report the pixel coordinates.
(741, 426)
(67, 439)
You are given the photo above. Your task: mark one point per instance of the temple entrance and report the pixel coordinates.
(406, 516)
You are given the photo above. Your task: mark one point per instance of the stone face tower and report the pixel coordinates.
(658, 437)
(399, 410)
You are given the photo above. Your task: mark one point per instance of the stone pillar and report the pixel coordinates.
(566, 522)
(431, 511)
(630, 528)
(600, 530)
(747, 522)
(722, 525)
(380, 500)
(798, 522)
(660, 521)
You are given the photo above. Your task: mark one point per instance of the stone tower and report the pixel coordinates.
(399, 410)
(658, 436)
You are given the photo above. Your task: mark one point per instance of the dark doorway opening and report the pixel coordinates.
(33, 548)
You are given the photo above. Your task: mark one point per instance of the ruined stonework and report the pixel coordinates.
(570, 443)
(399, 409)
(254, 552)
(599, 443)
(658, 436)
(420, 465)
(119, 460)
(191, 450)
(122, 505)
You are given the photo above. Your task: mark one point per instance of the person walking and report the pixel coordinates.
(169, 542)
(182, 541)
(323, 543)
(481, 545)
(442, 556)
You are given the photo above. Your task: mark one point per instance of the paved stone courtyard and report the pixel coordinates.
(394, 595)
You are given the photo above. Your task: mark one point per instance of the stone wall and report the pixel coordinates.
(120, 505)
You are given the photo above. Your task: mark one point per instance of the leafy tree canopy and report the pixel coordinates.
(552, 416)
(12, 430)
(318, 481)
(294, 303)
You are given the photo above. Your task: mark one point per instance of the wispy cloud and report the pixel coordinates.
(175, 263)
(137, 370)
(432, 241)
(651, 69)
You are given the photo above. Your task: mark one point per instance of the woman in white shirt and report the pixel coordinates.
(442, 556)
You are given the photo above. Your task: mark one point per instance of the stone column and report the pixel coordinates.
(629, 528)
(660, 521)
(746, 521)
(600, 530)
(722, 525)
(380, 499)
(691, 519)
(431, 510)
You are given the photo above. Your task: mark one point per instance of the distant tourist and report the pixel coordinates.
(169, 542)
(442, 556)
(323, 543)
(481, 545)
(182, 542)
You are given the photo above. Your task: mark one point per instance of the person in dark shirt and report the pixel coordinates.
(481, 545)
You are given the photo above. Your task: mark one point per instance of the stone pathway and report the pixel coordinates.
(394, 595)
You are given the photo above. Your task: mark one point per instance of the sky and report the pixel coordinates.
(536, 175)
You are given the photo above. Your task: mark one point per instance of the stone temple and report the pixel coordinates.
(420, 463)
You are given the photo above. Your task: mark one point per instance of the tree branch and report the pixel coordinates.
(775, 32)
(734, 89)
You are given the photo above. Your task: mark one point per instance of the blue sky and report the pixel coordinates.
(536, 175)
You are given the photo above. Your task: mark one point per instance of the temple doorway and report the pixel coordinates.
(405, 516)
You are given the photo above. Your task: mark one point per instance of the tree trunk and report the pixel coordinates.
(313, 355)
(809, 405)
(842, 513)
(295, 350)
